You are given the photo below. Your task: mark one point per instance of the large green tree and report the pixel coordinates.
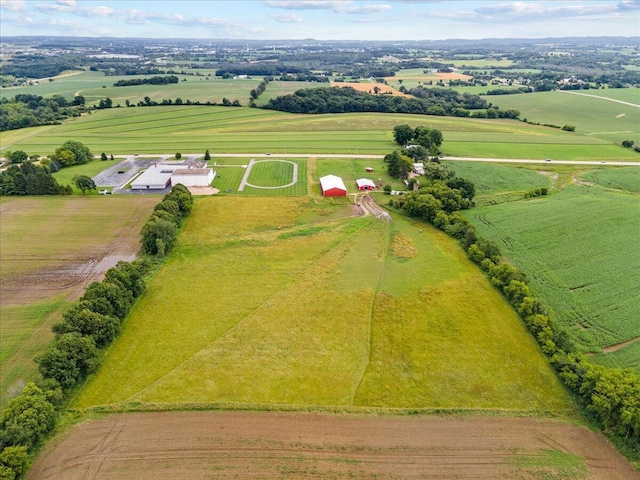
(18, 156)
(81, 154)
(402, 134)
(398, 165)
(84, 183)
(27, 418)
(69, 359)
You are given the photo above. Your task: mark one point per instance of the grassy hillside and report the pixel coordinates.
(94, 86)
(193, 129)
(595, 117)
(295, 302)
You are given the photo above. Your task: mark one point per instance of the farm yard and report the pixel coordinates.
(258, 332)
(51, 248)
(274, 332)
(301, 446)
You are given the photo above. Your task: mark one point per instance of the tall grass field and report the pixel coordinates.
(294, 302)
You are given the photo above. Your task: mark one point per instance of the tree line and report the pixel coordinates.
(30, 179)
(348, 99)
(157, 80)
(611, 396)
(26, 110)
(87, 328)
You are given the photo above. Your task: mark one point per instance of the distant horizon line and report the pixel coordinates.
(571, 37)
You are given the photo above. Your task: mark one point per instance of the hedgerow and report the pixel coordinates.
(610, 395)
(88, 327)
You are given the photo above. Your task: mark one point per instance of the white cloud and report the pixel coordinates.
(13, 5)
(340, 6)
(287, 18)
(306, 4)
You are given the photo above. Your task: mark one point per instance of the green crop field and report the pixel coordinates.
(95, 86)
(579, 247)
(158, 130)
(294, 302)
(497, 183)
(606, 120)
(616, 178)
(49, 247)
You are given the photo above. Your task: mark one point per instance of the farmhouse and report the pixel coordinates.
(156, 177)
(418, 168)
(365, 184)
(332, 186)
(193, 177)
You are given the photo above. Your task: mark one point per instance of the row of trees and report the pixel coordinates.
(611, 395)
(30, 179)
(160, 233)
(88, 327)
(256, 92)
(157, 80)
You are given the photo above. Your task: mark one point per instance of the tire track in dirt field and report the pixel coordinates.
(199, 445)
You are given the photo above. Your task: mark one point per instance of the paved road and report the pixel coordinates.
(347, 155)
(455, 159)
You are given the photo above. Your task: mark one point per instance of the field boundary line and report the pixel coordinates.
(601, 98)
(234, 326)
(372, 305)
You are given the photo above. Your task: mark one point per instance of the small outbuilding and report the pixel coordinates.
(193, 177)
(365, 184)
(369, 169)
(332, 186)
(418, 168)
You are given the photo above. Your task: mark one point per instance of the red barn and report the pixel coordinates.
(332, 186)
(365, 184)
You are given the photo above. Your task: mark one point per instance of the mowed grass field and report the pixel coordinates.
(51, 247)
(591, 115)
(295, 303)
(157, 130)
(95, 86)
(268, 177)
(579, 248)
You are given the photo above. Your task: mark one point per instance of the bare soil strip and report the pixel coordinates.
(618, 346)
(198, 445)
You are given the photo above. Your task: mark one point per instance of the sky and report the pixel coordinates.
(321, 19)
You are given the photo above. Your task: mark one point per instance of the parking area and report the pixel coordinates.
(120, 174)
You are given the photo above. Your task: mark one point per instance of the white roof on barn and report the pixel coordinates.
(331, 181)
(365, 182)
(155, 176)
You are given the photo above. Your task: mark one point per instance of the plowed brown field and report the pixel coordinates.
(202, 445)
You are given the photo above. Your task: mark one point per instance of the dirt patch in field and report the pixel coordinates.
(370, 88)
(202, 445)
(618, 346)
